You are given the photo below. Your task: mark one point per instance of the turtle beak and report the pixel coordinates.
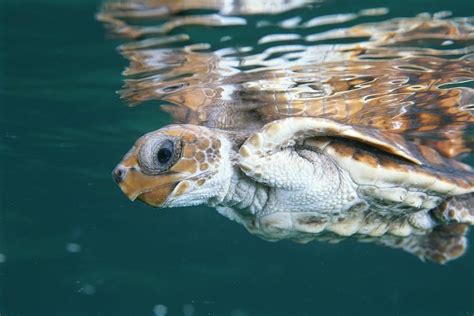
(119, 174)
(153, 190)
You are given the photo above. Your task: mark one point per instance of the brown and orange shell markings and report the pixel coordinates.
(401, 78)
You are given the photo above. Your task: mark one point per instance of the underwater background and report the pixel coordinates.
(72, 244)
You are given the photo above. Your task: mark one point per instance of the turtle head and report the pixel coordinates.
(178, 165)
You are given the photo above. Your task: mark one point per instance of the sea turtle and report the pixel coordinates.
(306, 178)
(308, 142)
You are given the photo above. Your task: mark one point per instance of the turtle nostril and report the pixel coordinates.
(119, 174)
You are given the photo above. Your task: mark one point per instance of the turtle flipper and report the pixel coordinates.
(442, 244)
(271, 142)
(286, 132)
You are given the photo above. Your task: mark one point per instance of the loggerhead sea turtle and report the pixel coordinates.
(306, 178)
(345, 140)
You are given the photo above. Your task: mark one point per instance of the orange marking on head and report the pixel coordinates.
(159, 195)
(203, 144)
(130, 161)
(172, 132)
(200, 156)
(135, 182)
(188, 151)
(185, 165)
(216, 144)
(189, 138)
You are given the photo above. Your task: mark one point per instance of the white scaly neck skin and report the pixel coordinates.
(245, 194)
(242, 200)
(237, 191)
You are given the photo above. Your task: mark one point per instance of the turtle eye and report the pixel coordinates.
(158, 155)
(165, 152)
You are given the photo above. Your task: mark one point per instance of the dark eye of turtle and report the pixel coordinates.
(165, 152)
(158, 155)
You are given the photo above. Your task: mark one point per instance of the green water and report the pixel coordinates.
(72, 244)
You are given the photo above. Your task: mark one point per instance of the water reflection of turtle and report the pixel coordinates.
(362, 143)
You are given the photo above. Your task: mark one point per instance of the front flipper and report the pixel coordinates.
(268, 156)
(284, 133)
(275, 156)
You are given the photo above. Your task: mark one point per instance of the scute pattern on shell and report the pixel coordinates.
(444, 170)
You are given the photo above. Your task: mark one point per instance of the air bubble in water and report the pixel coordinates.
(73, 247)
(87, 289)
(188, 310)
(160, 310)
